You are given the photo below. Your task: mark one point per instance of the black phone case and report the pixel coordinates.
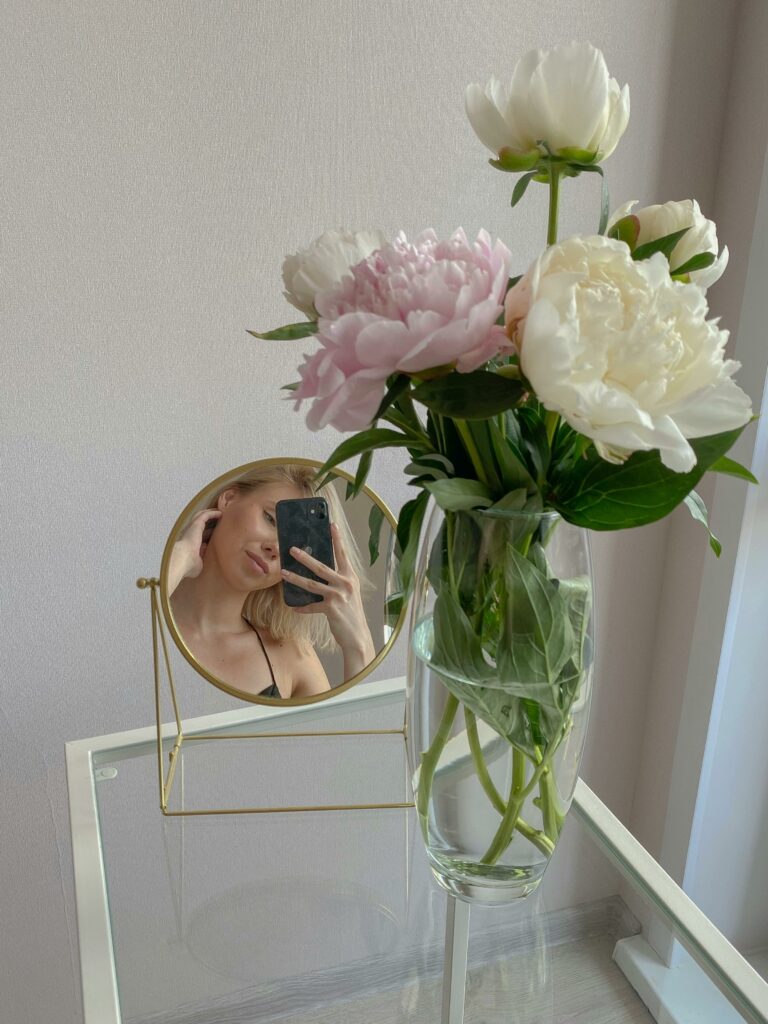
(299, 526)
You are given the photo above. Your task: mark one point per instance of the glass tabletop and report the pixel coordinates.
(333, 915)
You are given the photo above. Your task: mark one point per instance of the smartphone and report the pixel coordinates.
(303, 523)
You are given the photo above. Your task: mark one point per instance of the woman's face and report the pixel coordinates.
(244, 541)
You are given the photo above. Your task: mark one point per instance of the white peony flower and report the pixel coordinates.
(562, 97)
(323, 264)
(657, 221)
(625, 354)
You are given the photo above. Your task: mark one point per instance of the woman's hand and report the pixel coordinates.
(341, 604)
(187, 555)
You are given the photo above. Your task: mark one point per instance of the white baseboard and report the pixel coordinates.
(673, 995)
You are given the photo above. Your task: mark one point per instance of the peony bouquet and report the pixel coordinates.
(593, 389)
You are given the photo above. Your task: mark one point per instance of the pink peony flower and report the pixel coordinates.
(409, 307)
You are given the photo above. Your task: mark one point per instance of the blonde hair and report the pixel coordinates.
(265, 609)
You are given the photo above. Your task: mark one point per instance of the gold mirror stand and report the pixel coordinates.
(166, 779)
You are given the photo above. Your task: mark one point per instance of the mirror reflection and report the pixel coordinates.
(273, 587)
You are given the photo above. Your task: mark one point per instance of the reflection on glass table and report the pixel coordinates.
(334, 917)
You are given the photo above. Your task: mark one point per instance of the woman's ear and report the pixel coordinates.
(226, 497)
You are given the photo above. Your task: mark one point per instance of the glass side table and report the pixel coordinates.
(334, 917)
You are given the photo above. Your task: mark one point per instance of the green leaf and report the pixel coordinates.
(664, 244)
(500, 701)
(290, 332)
(698, 262)
(433, 465)
(513, 501)
(576, 594)
(469, 396)
(732, 468)
(367, 440)
(538, 638)
(602, 496)
(605, 199)
(698, 510)
(375, 519)
(533, 433)
(626, 230)
(363, 468)
(293, 386)
(393, 606)
(509, 459)
(520, 187)
(399, 384)
(408, 533)
(457, 494)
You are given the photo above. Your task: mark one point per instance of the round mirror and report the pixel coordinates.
(274, 588)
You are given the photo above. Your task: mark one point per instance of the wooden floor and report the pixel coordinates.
(577, 984)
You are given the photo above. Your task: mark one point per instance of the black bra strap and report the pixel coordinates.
(273, 690)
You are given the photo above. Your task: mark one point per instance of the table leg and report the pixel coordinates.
(455, 962)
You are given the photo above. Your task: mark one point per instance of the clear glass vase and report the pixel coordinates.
(499, 686)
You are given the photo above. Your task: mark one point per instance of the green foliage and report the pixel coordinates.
(456, 494)
(698, 510)
(367, 440)
(605, 199)
(521, 185)
(602, 496)
(399, 383)
(375, 519)
(477, 395)
(290, 332)
(664, 244)
(408, 532)
(508, 640)
(626, 230)
(697, 262)
(732, 468)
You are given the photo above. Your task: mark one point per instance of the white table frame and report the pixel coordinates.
(743, 988)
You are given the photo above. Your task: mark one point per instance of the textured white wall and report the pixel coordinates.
(157, 162)
(684, 706)
(695, 592)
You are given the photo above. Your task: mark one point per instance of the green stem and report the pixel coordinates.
(480, 766)
(554, 202)
(539, 840)
(474, 454)
(551, 422)
(549, 804)
(517, 798)
(430, 758)
(552, 419)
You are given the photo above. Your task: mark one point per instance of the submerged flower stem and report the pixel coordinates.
(517, 798)
(430, 758)
(480, 766)
(540, 840)
(549, 804)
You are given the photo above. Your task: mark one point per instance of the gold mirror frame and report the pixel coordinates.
(162, 618)
(194, 505)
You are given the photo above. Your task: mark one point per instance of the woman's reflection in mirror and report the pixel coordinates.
(224, 581)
